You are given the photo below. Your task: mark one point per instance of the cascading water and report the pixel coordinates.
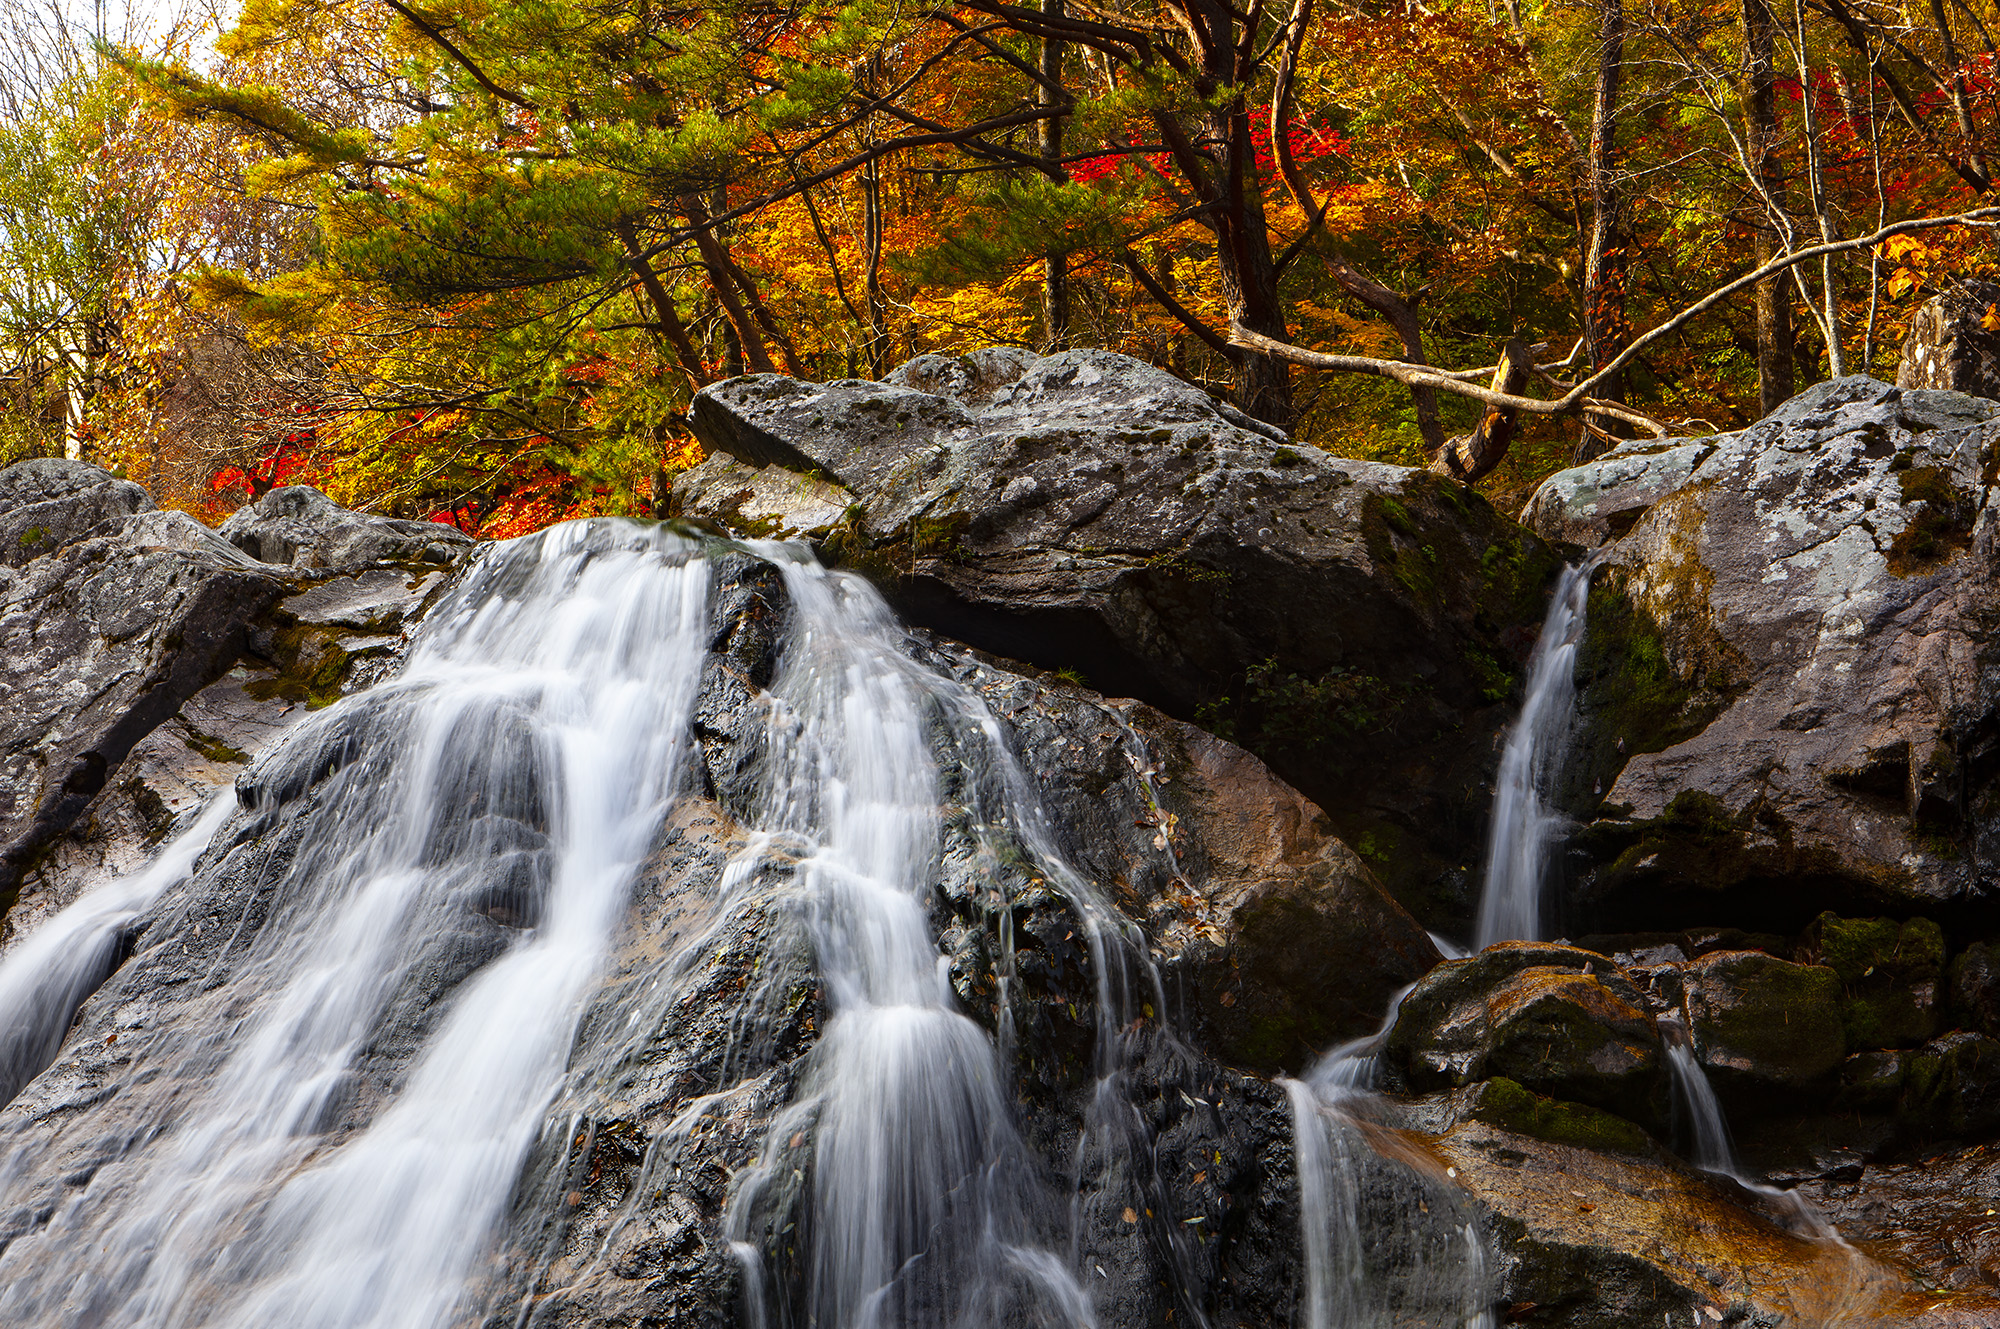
(923, 1210)
(1524, 823)
(1439, 1265)
(512, 778)
(45, 978)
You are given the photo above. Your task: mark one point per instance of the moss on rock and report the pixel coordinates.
(1512, 1107)
(1890, 975)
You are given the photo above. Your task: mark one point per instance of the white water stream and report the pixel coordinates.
(1525, 824)
(923, 1197)
(521, 764)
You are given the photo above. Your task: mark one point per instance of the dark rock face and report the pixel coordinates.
(300, 527)
(1949, 345)
(1791, 680)
(1357, 625)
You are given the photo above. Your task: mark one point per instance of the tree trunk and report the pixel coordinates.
(1249, 272)
(1605, 329)
(1473, 457)
(1055, 266)
(1774, 307)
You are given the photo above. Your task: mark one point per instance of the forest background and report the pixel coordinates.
(469, 259)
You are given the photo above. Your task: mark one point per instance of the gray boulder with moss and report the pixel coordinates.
(1360, 626)
(1793, 679)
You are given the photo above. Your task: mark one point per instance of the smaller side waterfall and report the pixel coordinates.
(53, 971)
(1714, 1151)
(1524, 823)
(1852, 1285)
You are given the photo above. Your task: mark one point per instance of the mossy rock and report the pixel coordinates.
(1952, 1087)
(1890, 975)
(1512, 1107)
(1764, 1024)
(1557, 1020)
(1975, 989)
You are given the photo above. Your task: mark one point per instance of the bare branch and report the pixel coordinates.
(1578, 397)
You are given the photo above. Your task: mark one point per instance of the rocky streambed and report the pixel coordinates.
(1204, 726)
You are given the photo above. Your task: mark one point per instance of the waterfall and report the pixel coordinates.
(491, 804)
(923, 1200)
(1524, 822)
(1714, 1151)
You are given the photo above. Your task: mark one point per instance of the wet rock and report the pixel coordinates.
(1559, 1021)
(1890, 974)
(1790, 685)
(1951, 1087)
(1762, 1024)
(1949, 345)
(1872, 1081)
(1975, 989)
(1934, 1215)
(298, 526)
(1359, 626)
(1610, 1240)
(102, 639)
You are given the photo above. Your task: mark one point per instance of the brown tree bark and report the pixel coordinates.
(1055, 266)
(1606, 330)
(1775, 380)
(1473, 457)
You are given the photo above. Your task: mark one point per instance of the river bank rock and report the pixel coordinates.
(1792, 684)
(1359, 626)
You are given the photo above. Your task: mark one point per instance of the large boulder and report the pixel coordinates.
(300, 527)
(112, 616)
(1792, 680)
(1359, 626)
(1555, 1020)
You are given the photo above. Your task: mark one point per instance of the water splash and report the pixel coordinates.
(1524, 821)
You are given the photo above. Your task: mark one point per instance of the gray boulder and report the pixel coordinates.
(111, 619)
(1949, 346)
(300, 527)
(49, 502)
(1359, 626)
(143, 657)
(1792, 677)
